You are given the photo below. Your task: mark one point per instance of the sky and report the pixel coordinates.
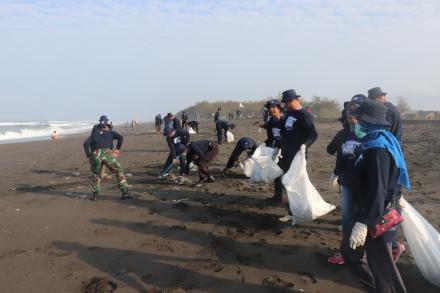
(77, 60)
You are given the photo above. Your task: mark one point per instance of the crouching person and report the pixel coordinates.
(177, 141)
(202, 153)
(377, 173)
(99, 150)
(244, 144)
(222, 127)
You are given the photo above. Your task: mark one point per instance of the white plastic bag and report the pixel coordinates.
(264, 169)
(229, 136)
(305, 201)
(424, 242)
(191, 131)
(248, 164)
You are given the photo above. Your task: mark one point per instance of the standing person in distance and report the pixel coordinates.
(184, 120)
(158, 121)
(217, 115)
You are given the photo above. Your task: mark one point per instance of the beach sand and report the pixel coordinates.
(218, 238)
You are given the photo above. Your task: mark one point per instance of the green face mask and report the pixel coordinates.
(358, 131)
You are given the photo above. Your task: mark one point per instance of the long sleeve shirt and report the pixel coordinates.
(348, 150)
(180, 137)
(273, 132)
(297, 129)
(217, 116)
(376, 179)
(102, 140)
(393, 116)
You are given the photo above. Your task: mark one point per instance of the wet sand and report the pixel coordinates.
(177, 238)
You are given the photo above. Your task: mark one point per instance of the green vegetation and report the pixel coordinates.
(322, 108)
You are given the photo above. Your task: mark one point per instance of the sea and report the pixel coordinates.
(11, 132)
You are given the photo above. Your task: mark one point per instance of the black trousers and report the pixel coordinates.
(184, 124)
(220, 132)
(379, 272)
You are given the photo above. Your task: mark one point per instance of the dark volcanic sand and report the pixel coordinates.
(219, 238)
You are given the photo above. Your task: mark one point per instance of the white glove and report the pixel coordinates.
(303, 148)
(358, 235)
(334, 181)
(275, 154)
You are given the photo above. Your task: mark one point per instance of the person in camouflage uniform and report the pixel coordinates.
(99, 149)
(102, 157)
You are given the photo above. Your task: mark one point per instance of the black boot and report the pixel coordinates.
(127, 195)
(95, 196)
(278, 194)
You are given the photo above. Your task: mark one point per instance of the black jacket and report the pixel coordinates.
(297, 129)
(273, 132)
(102, 140)
(181, 137)
(348, 148)
(217, 116)
(393, 116)
(375, 177)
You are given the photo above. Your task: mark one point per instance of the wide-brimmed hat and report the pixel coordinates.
(372, 112)
(289, 95)
(375, 92)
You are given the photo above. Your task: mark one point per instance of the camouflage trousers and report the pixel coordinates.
(105, 157)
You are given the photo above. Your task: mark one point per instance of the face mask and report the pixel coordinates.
(352, 127)
(358, 131)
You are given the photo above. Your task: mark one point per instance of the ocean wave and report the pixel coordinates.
(28, 133)
(19, 123)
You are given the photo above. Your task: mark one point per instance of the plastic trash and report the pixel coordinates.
(248, 164)
(191, 131)
(264, 169)
(424, 241)
(229, 136)
(305, 202)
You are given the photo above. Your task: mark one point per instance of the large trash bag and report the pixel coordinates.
(229, 136)
(305, 201)
(191, 131)
(248, 164)
(264, 169)
(424, 242)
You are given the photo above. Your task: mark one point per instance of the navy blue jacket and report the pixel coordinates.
(181, 137)
(217, 116)
(347, 148)
(393, 116)
(375, 176)
(102, 140)
(297, 129)
(273, 132)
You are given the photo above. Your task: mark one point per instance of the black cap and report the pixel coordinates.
(356, 100)
(372, 112)
(375, 92)
(103, 118)
(289, 95)
(273, 103)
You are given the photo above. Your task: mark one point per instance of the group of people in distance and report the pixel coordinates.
(370, 169)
